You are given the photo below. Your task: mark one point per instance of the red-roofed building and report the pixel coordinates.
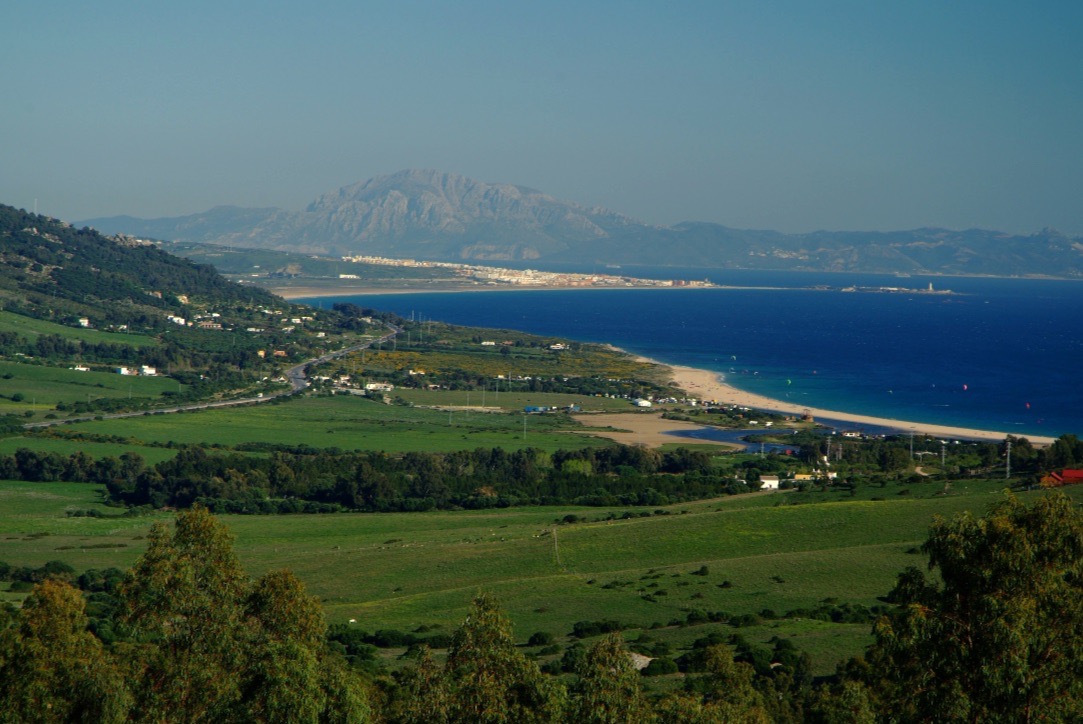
(1064, 477)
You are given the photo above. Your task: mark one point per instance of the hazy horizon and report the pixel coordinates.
(760, 115)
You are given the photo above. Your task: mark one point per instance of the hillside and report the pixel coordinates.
(447, 217)
(76, 307)
(51, 270)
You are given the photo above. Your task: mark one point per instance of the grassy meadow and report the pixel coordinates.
(38, 389)
(402, 571)
(32, 329)
(356, 423)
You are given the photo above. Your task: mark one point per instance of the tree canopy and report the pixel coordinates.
(999, 637)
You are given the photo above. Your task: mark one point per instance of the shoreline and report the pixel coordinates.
(706, 385)
(293, 293)
(702, 383)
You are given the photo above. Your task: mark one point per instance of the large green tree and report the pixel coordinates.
(215, 647)
(490, 680)
(184, 600)
(52, 668)
(608, 690)
(999, 637)
(486, 680)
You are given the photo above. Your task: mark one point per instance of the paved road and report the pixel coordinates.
(294, 375)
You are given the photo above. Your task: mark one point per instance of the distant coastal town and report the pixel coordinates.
(499, 276)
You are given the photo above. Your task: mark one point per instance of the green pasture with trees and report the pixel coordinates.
(348, 422)
(25, 387)
(216, 635)
(757, 559)
(32, 329)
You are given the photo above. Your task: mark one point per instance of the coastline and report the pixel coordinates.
(701, 383)
(706, 385)
(292, 293)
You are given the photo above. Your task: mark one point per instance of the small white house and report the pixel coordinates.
(148, 371)
(641, 402)
(124, 371)
(768, 482)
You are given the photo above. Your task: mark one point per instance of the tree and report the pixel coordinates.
(184, 597)
(216, 648)
(52, 668)
(489, 679)
(723, 693)
(1000, 636)
(423, 693)
(282, 674)
(608, 689)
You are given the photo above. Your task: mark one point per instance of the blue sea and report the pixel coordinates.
(999, 354)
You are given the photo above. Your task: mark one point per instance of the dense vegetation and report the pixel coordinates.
(185, 635)
(310, 480)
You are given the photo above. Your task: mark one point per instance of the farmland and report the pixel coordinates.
(348, 422)
(755, 555)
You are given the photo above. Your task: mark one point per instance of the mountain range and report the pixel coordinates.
(425, 214)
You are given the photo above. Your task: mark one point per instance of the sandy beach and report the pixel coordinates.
(706, 385)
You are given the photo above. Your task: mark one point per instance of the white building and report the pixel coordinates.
(768, 482)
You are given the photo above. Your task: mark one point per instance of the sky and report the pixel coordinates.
(768, 114)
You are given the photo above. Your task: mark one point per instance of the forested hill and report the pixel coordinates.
(51, 270)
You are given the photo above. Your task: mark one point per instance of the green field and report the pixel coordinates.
(33, 328)
(351, 423)
(406, 570)
(96, 450)
(41, 388)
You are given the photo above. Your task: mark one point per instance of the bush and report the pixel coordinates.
(540, 638)
(660, 667)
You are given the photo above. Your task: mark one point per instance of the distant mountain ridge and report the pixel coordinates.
(428, 214)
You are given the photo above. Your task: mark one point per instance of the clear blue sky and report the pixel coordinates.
(790, 115)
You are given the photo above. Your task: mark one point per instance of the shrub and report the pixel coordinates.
(660, 667)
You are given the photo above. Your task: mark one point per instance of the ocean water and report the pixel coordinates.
(1000, 354)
